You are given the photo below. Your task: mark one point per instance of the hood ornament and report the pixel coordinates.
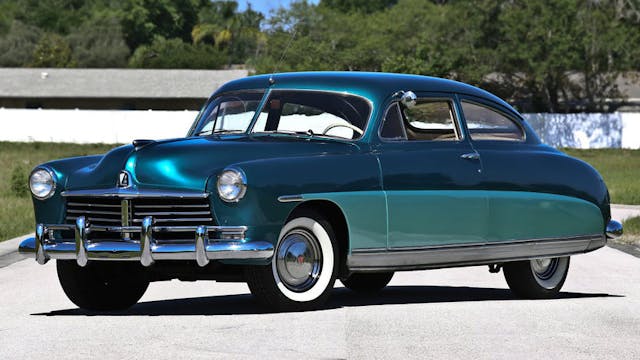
(124, 179)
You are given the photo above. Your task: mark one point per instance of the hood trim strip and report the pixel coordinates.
(132, 194)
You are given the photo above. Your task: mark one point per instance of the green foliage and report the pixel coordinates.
(54, 16)
(176, 54)
(16, 212)
(631, 226)
(19, 180)
(52, 51)
(363, 6)
(620, 169)
(99, 43)
(144, 20)
(543, 56)
(17, 46)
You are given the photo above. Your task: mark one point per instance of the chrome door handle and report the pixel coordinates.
(471, 156)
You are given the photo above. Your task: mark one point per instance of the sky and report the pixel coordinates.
(264, 6)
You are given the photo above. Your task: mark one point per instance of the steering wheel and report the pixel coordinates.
(335, 125)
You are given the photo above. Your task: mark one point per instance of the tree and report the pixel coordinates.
(17, 46)
(52, 51)
(143, 20)
(99, 43)
(175, 54)
(363, 6)
(563, 54)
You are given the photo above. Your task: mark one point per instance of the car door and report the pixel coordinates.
(522, 204)
(430, 175)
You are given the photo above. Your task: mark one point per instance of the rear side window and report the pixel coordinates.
(487, 124)
(428, 120)
(431, 119)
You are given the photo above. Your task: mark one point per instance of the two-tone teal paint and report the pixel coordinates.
(392, 194)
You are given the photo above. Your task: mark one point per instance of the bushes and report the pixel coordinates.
(176, 54)
(19, 181)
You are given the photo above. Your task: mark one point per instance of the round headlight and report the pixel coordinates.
(42, 183)
(232, 184)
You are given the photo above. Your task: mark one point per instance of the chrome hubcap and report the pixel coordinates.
(298, 260)
(544, 268)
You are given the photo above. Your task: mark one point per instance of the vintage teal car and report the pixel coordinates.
(291, 181)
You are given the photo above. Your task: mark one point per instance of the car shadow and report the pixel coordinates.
(244, 304)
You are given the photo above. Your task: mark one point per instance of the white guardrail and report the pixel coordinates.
(615, 130)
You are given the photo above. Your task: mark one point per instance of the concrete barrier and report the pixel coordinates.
(613, 130)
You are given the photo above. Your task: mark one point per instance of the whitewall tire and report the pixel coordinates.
(537, 278)
(303, 269)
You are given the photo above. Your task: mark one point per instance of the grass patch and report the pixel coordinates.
(631, 234)
(16, 162)
(620, 169)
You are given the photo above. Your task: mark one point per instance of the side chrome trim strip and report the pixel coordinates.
(290, 198)
(469, 254)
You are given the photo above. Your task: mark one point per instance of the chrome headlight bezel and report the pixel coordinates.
(53, 180)
(231, 178)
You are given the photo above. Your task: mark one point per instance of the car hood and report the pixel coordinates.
(187, 163)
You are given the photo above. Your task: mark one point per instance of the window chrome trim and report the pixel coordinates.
(196, 122)
(332, 92)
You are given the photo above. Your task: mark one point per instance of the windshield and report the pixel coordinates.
(228, 113)
(314, 113)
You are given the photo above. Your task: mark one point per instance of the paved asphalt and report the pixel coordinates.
(449, 313)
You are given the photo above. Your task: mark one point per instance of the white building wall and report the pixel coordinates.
(122, 126)
(92, 126)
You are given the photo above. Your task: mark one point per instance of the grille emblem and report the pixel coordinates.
(124, 179)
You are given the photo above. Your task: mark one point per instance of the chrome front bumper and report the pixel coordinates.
(229, 244)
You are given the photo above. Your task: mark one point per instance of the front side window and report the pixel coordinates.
(228, 113)
(487, 124)
(427, 120)
(314, 113)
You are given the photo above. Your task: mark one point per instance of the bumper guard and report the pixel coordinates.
(229, 244)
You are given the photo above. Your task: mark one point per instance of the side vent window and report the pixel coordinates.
(392, 128)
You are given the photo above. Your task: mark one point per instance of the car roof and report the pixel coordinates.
(373, 85)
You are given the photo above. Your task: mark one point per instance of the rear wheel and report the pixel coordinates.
(103, 286)
(537, 278)
(304, 267)
(367, 283)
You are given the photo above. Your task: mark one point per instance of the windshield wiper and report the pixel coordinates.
(218, 131)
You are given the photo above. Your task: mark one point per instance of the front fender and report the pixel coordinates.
(51, 210)
(269, 179)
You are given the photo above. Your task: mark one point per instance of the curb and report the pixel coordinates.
(11, 246)
(623, 206)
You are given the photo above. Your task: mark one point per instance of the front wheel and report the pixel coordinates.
(103, 286)
(304, 267)
(537, 278)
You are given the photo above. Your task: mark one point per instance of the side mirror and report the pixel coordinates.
(408, 99)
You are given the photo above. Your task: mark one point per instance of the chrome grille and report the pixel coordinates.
(116, 211)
